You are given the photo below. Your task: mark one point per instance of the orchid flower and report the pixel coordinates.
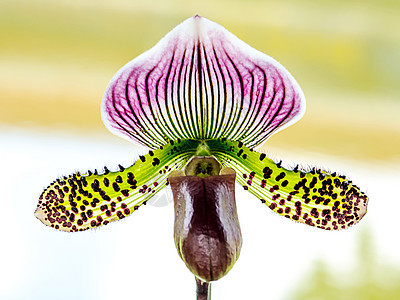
(202, 100)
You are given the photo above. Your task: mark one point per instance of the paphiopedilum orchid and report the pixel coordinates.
(202, 100)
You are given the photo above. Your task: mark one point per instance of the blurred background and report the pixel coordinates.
(56, 59)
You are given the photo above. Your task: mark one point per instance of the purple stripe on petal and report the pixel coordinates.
(201, 82)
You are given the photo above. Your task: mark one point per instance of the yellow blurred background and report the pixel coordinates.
(57, 57)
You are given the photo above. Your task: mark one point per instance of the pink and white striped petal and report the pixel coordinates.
(201, 82)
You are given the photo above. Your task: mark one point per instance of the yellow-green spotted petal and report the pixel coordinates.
(82, 201)
(317, 198)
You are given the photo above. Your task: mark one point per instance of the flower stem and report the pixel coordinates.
(203, 290)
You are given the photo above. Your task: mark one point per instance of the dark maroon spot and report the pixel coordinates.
(119, 214)
(84, 217)
(131, 181)
(314, 212)
(280, 176)
(309, 221)
(116, 187)
(72, 217)
(267, 171)
(106, 170)
(156, 161)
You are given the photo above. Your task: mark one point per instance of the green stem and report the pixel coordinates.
(203, 290)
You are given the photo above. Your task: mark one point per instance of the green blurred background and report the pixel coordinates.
(57, 57)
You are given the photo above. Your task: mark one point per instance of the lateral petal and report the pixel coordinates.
(316, 198)
(83, 201)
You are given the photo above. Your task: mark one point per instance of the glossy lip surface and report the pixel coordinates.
(206, 230)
